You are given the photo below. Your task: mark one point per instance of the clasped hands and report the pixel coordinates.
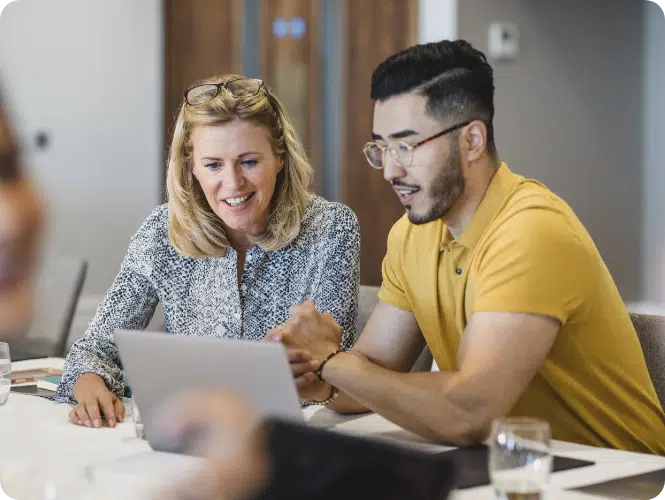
(309, 337)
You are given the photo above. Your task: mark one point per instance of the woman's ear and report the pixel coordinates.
(281, 164)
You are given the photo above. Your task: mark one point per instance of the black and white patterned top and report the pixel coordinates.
(202, 297)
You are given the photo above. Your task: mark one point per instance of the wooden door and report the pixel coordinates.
(290, 65)
(372, 31)
(202, 38)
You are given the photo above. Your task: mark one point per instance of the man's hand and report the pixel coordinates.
(302, 367)
(310, 331)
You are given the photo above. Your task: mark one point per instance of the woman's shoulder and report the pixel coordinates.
(156, 224)
(323, 217)
(321, 214)
(152, 236)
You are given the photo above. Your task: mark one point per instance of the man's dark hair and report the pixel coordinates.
(456, 79)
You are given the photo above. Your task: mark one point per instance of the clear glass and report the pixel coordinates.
(520, 459)
(5, 372)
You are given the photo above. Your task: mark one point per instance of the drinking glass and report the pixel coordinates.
(520, 459)
(5, 372)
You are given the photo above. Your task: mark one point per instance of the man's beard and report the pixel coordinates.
(445, 190)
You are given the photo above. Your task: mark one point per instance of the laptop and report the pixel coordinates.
(161, 365)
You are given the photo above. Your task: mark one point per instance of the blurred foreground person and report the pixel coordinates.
(249, 459)
(20, 223)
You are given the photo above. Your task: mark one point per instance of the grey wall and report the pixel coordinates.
(89, 73)
(654, 155)
(569, 111)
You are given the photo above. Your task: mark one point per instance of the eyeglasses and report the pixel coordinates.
(401, 153)
(238, 88)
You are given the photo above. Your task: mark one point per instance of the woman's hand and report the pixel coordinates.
(94, 399)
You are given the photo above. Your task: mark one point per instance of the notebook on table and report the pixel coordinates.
(41, 382)
(35, 375)
(472, 465)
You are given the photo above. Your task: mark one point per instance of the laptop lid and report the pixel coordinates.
(161, 365)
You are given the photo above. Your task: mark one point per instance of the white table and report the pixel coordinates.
(37, 430)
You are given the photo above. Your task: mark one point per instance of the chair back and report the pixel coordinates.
(651, 332)
(58, 288)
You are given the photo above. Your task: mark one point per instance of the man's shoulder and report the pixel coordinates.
(532, 206)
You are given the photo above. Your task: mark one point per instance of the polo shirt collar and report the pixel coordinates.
(500, 187)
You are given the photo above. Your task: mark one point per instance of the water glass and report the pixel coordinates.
(520, 459)
(5, 372)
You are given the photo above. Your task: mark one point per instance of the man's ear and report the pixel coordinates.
(475, 140)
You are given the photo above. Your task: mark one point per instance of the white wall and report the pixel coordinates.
(437, 20)
(654, 155)
(89, 73)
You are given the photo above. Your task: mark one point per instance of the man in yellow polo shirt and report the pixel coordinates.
(492, 271)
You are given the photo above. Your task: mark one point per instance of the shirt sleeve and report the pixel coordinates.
(392, 287)
(129, 304)
(337, 292)
(535, 263)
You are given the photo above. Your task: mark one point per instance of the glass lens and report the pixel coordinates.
(201, 94)
(245, 87)
(374, 155)
(401, 154)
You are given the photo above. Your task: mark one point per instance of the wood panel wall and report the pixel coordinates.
(202, 38)
(290, 66)
(373, 30)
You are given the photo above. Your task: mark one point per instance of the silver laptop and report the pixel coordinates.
(161, 365)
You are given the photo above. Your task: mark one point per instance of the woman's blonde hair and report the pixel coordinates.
(194, 229)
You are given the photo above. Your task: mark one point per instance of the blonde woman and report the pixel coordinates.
(239, 242)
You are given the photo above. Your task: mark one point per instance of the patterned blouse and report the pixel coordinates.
(202, 297)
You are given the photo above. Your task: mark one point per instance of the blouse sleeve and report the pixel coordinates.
(129, 304)
(337, 290)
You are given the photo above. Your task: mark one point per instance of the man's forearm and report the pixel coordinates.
(428, 404)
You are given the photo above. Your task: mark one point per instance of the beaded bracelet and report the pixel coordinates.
(323, 363)
(334, 392)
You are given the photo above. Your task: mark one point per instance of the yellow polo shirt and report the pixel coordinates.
(525, 251)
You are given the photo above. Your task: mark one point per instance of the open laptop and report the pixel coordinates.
(161, 365)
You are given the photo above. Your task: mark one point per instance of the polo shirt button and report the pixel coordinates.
(458, 271)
